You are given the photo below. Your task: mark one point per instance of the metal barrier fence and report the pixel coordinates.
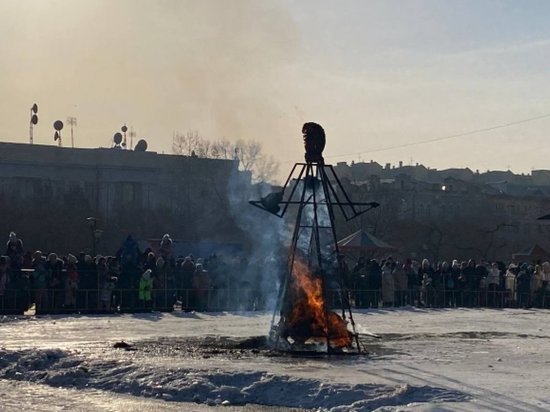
(52, 301)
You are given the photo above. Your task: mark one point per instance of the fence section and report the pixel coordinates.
(52, 301)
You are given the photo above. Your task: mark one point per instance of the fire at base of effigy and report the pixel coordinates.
(306, 322)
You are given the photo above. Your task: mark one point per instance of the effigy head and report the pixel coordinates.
(314, 142)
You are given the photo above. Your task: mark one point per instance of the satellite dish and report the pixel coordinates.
(34, 119)
(117, 138)
(141, 146)
(58, 125)
(34, 108)
(124, 129)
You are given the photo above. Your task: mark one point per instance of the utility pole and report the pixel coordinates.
(72, 122)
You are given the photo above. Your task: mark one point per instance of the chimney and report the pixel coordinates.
(400, 163)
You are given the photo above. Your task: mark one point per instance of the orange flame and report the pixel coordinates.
(308, 318)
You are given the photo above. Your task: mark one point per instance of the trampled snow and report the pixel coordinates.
(438, 359)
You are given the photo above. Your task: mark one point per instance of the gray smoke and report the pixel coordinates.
(269, 239)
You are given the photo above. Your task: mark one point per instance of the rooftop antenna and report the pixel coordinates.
(71, 120)
(124, 129)
(117, 140)
(58, 125)
(132, 135)
(33, 121)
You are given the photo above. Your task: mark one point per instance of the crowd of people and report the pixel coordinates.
(133, 280)
(466, 283)
(130, 281)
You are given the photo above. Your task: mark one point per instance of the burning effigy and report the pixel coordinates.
(305, 319)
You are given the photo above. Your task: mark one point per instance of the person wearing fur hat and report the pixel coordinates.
(145, 289)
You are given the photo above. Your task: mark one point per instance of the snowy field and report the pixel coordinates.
(419, 360)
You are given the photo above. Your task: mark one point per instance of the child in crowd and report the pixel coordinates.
(145, 288)
(106, 295)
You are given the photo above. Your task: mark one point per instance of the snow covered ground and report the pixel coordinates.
(419, 360)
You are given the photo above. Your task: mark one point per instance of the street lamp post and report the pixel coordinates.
(95, 232)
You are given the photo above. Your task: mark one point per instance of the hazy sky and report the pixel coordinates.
(374, 73)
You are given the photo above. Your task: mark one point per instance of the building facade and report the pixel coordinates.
(47, 193)
(453, 213)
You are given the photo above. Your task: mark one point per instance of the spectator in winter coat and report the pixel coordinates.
(71, 282)
(344, 272)
(113, 275)
(471, 284)
(187, 294)
(150, 261)
(388, 284)
(56, 277)
(374, 283)
(359, 282)
(510, 285)
(185, 283)
(451, 283)
(40, 282)
(129, 251)
(106, 293)
(493, 286)
(102, 273)
(163, 286)
(536, 286)
(166, 249)
(410, 268)
(14, 251)
(401, 283)
(523, 282)
(201, 286)
(438, 283)
(145, 288)
(425, 273)
(128, 283)
(479, 282)
(87, 295)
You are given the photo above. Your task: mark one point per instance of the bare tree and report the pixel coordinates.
(223, 149)
(265, 169)
(249, 153)
(188, 143)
